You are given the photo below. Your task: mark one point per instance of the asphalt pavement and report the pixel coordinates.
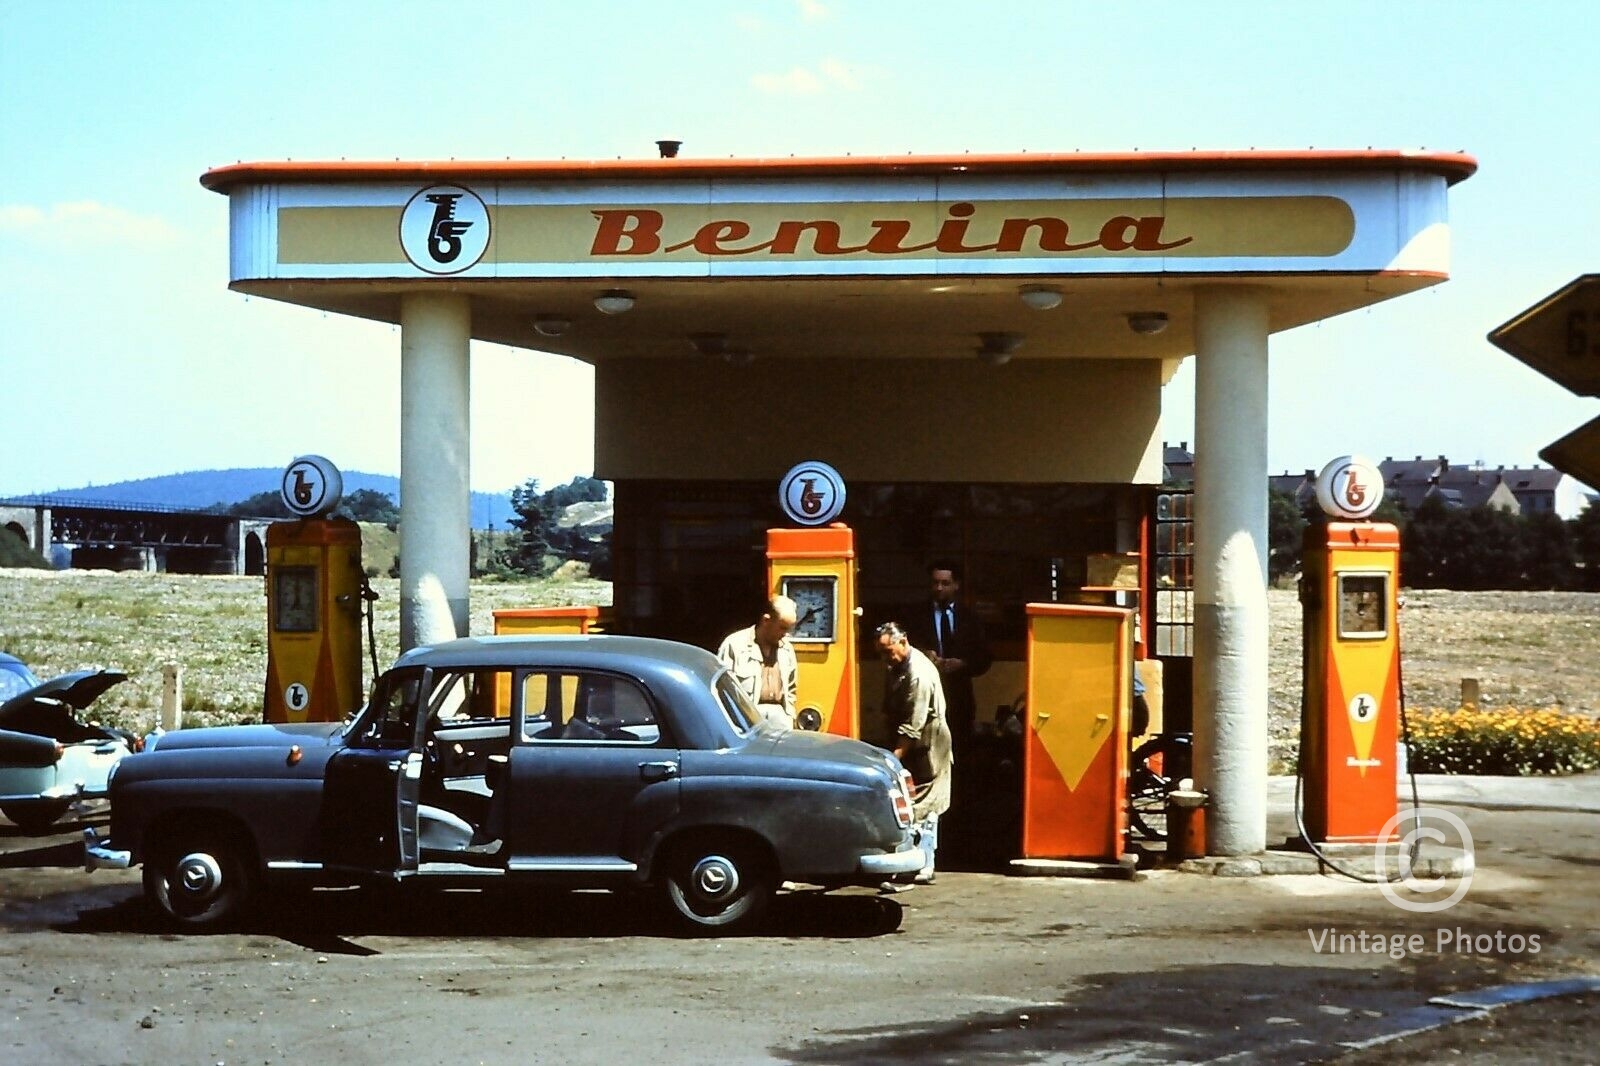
(980, 967)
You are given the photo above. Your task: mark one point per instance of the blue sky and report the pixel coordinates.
(123, 355)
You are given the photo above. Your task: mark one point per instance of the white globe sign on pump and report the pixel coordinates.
(1349, 487)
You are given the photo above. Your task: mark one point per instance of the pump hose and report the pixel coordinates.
(370, 597)
(1413, 842)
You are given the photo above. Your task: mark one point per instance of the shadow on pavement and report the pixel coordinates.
(324, 920)
(1183, 1014)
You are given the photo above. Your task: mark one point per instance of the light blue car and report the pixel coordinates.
(50, 758)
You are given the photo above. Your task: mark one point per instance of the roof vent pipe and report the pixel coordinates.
(669, 149)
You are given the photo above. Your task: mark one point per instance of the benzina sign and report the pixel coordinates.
(999, 229)
(887, 232)
(639, 232)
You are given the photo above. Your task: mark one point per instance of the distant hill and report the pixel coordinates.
(202, 488)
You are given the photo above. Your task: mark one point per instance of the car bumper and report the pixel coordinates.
(908, 860)
(98, 856)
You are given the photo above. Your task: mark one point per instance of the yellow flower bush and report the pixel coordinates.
(1503, 740)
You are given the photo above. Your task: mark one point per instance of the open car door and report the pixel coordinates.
(372, 787)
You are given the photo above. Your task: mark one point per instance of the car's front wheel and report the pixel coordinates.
(35, 816)
(719, 886)
(199, 878)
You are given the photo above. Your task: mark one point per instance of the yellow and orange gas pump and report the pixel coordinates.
(315, 595)
(1075, 754)
(1349, 594)
(817, 569)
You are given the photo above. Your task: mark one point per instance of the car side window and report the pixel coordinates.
(576, 706)
(392, 717)
(464, 696)
(741, 713)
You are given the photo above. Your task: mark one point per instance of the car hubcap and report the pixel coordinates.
(715, 878)
(198, 876)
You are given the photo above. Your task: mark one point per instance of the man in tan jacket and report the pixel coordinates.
(763, 663)
(913, 700)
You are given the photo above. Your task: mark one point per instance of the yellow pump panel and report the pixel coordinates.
(314, 600)
(817, 569)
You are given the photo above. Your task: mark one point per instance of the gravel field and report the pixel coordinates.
(1527, 649)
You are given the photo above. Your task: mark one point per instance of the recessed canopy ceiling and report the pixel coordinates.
(874, 318)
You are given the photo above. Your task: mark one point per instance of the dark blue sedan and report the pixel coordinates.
(593, 761)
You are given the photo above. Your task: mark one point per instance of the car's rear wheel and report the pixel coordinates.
(199, 878)
(35, 816)
(721, 886)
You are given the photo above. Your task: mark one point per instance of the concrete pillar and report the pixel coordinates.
(435, 488)
(1230, 565)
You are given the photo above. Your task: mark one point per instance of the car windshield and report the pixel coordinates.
(15, 679)
(390, 719)
(742, 715)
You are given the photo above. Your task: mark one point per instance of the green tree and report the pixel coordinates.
(363, 505)
(261, 505)
(1586, 545)
(529, 555)
(369, 505)
(1285, 528)
(1547, 552)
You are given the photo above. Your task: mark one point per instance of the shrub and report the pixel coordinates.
(1506, 740)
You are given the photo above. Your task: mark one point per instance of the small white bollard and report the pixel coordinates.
(171, 696)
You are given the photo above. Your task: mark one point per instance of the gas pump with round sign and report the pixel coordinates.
(816, 567)
(316, 589)
(1349, 594)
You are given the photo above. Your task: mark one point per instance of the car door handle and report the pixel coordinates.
(657, 771)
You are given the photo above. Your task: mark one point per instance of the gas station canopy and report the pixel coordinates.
(746, 315)
(869, 258)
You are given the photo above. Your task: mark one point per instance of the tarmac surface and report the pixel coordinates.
(978, 968)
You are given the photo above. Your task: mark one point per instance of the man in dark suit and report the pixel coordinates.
(950, 634)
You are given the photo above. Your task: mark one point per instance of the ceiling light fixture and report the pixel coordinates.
(551, 325)
(1040, 297)
(996, 347)
(614, 302)
(1147, 323)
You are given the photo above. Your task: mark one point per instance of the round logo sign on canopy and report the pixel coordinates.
(311, 486)
(1349, 487)
(812, 493)
(444, 229)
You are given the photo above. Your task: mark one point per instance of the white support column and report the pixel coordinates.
(1230, 566)
(435, 485)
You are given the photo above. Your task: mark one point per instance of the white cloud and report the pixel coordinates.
(828, 74)
(795, 82)
(814, 10)
(84, 220)
(749, 23)
(841, 74)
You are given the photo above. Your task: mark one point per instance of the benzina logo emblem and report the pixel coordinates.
(444, 229)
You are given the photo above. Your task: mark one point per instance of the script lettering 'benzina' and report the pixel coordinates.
(637, 231)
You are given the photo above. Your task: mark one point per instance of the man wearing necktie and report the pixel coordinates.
(952, 637)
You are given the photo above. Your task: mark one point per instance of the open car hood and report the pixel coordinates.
(79, 689)
(43, 709)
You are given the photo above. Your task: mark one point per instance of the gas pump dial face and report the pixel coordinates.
(296, 599)
(816, 606)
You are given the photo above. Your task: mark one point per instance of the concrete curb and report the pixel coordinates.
(1442, 864)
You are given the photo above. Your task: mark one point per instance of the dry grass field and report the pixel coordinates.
(1526, 649)
(214, 627)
